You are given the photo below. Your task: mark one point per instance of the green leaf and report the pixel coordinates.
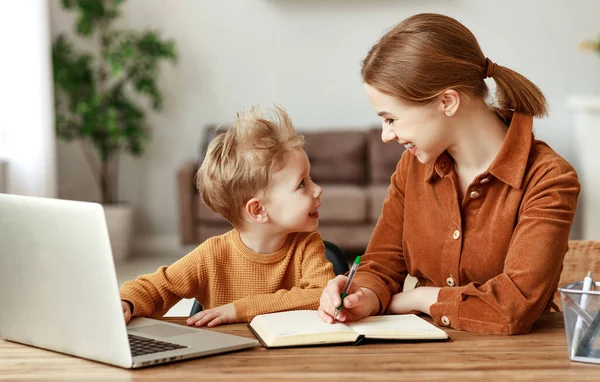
(97, 95)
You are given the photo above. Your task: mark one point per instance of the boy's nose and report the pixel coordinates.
(318, 190)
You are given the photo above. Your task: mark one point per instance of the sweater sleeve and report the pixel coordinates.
(383, 267)
(510, 302)
(316, 272)
(152, 295)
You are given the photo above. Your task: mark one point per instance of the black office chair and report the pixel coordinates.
(333, 253)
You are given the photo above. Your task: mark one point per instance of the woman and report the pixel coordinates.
(477, 209)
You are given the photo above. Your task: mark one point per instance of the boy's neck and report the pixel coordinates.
(261, 242)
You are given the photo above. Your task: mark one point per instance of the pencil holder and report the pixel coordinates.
(581, 310)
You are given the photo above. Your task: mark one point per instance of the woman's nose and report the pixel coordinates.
(387, 135)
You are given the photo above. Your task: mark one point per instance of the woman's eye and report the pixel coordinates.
(301, 185)
(389, 121)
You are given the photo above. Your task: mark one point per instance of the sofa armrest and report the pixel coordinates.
(188, 199)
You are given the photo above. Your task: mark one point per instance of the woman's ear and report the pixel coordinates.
(450, 102)
(257, 211)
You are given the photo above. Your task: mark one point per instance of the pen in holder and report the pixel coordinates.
(581, 310)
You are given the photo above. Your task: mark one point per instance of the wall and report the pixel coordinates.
(305, 55)
(26, 102)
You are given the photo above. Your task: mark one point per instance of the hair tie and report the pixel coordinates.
(490, 68)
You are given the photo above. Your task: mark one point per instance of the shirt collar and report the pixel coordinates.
(511, 161)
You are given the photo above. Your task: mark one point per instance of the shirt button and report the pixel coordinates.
(484, 180)
(474, 194)
(450, 281)
(445, 321)
(456, 235)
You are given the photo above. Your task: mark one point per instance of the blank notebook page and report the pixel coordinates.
(405, 325)
(298, 322)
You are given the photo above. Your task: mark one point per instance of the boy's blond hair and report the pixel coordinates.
(240, 161)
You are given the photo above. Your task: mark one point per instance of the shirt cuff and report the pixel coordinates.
(374, 283)
(140, 306)
(445, 311)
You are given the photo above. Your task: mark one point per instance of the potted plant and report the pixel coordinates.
(97, 98)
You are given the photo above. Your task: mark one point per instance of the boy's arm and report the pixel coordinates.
(316, 272)
(152, 295)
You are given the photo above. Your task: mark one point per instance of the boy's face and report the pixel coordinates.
(294, 198)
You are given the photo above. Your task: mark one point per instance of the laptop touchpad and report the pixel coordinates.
(162, 330)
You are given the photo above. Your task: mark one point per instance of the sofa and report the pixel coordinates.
(352, 166)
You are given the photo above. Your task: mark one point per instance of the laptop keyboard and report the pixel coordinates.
(141, 345)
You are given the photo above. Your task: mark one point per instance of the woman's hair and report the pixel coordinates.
(241, 160)
(428, 53)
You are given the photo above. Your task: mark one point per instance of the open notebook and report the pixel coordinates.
(304, 327)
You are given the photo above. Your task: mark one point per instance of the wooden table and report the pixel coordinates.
(540, 355)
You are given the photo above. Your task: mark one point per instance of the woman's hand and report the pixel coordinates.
(359, 303)
(419, 299)
(224, 314)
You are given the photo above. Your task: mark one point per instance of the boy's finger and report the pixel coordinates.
(217, 321)
(192, 320)
(207, 318)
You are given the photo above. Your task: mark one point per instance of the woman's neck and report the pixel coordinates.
(478, 138)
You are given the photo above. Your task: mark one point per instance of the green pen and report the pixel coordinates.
(345, 292)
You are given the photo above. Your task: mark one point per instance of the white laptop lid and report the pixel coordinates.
(58, 286)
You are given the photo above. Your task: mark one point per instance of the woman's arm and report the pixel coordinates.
(510, 302)
(383, 268)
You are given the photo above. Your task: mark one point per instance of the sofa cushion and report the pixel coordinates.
(337, 157)
(343, 204)
(376, 195)
(383, 157)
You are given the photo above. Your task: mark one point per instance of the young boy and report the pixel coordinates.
(256, 175)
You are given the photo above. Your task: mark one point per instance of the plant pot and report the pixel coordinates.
(119, 219)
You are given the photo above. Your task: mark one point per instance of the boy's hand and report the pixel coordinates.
(224, 314)
(126, 311)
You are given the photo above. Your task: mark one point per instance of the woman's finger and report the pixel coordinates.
(334, 289)
(324, 316)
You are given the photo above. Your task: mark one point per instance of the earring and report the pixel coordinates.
(448, 113)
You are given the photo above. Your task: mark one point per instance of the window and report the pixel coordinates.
(3, 144)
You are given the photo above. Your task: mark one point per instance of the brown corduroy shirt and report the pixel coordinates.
(496, 254)
(223, 270)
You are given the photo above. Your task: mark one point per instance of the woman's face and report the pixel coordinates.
(422, 129)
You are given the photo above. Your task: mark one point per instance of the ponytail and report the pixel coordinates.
(427, 54)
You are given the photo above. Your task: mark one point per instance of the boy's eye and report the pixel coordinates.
(301, 185)
(388, 121)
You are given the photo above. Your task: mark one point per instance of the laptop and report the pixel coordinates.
(60, 290)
